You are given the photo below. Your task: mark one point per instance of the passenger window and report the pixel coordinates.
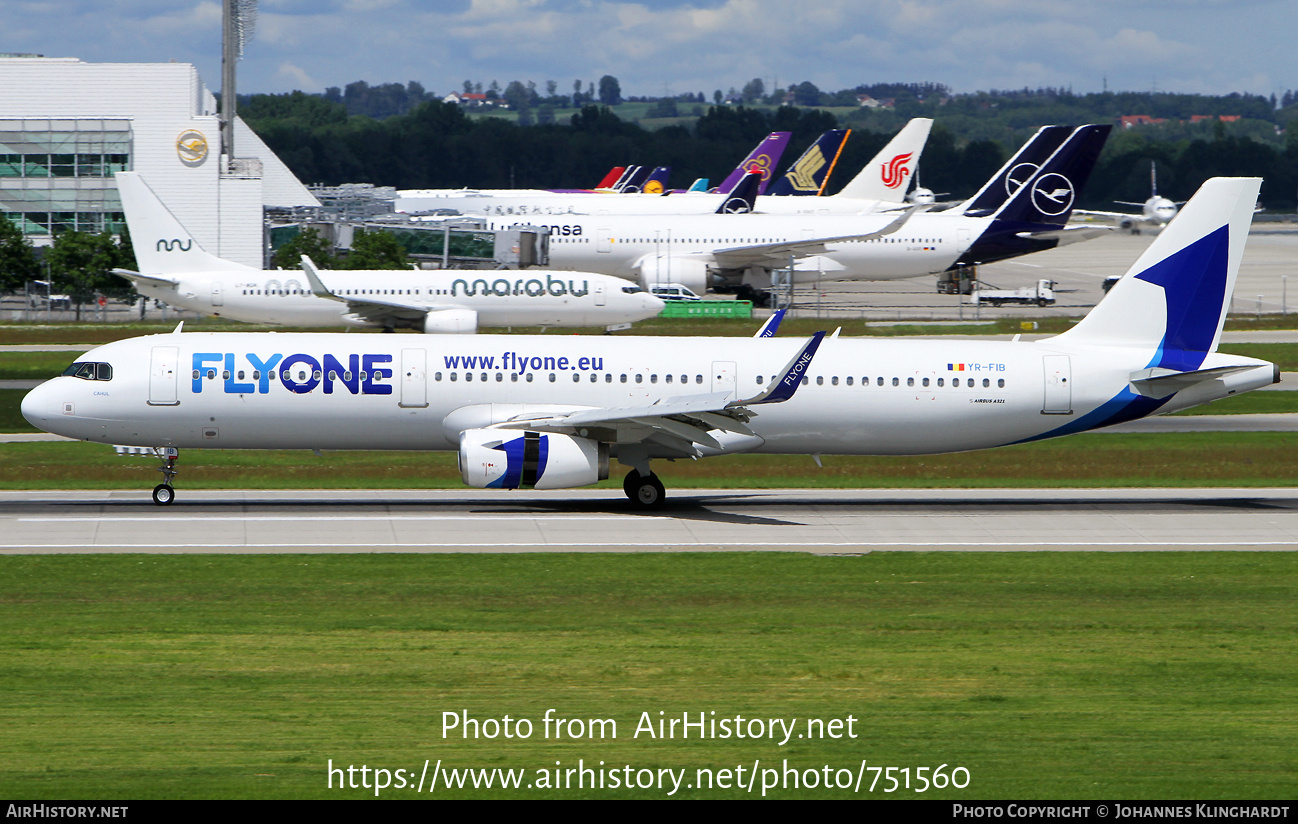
(834, 381)
(820, 380)
(698, 379)
(529, 377)
(225, 375)
(669, 379)
(1001, 383)
(880, 382)
(925, 381)
(195, 374)
(500, 377)
(639, 378)
(575, 377)
(759, 380)
(468, 376)
(939, 382)
(653, 378)
(986, 382)
(453, 377)
(624, 379)
(910, 381)
(437, 376)
(849, 380)
(551, 377)
(896, 382)
(608, 378)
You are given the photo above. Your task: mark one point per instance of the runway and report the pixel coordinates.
(777, 520)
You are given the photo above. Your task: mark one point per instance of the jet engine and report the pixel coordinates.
(451, 322)
(655, 270)
(515, 459)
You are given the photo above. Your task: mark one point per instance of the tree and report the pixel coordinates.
(376, 250)
(806, 94)
(18, 262)
(754, 90)
(306, 242)
(81, 265)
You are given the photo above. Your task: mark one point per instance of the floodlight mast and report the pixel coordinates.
(237, 20)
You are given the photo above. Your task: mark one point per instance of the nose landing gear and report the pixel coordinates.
(164, 493)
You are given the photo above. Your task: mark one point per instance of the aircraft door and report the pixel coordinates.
(217, 299)
(414, 383)
(723, 376)
(603, 240)
(599, 293)
(1059, 390)
(162, 376)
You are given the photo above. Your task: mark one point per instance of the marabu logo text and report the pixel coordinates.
(174, 244)
(299, 374)
(531, 287)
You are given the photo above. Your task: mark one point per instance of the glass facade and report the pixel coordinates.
(57, 175)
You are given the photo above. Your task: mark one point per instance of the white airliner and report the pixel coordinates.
(1157, 211)
(1023, 209)
(882, 183)
(549, 412)
(177, 271)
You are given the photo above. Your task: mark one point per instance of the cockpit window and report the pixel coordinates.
(90, 371)
(631, 290)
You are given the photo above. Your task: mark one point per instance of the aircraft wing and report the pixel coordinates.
(775, 255)
(375, 310)
(136, 277)
(680, 422)
(1158, 382)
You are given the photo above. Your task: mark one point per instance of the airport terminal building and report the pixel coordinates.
(66, 126)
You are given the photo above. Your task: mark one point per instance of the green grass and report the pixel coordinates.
(1090, 460)
(1251, 403)
(1050, 675)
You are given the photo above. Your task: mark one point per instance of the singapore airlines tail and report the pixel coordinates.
(810, 172)
(162, 244)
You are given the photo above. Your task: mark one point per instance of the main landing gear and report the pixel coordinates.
(645, 491)
(164, 493)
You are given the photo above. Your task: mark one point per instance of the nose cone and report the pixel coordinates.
(651, 305)
(38, 407)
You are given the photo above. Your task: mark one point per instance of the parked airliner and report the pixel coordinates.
(1010, 216)
(177, 271)
(1156, 211)
(550, 412)
(881, 183)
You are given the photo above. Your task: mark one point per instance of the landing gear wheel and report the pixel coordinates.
(163, 495)
(645, 491)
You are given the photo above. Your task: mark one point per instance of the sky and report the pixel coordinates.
(658, 47)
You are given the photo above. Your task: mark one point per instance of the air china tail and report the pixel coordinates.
(551, 412)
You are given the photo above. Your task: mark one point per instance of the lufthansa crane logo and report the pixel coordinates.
(653, 187)
(1019, 175)
(1052, 194)
(191, 146)
(895, 170)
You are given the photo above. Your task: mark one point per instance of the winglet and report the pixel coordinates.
(772, 324)
(313, 277)
(783, 389)
(179, 327)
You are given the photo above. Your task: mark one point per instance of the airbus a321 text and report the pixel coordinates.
(549, 412)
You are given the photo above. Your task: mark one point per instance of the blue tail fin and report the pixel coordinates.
(1174, 298)
(1048, 199)
(656, 183)
(633, 179)
(743, 198)
(1017, 170)
(810, 172)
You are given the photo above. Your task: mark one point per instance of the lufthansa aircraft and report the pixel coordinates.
(549, 412)
(1004, 220)
(178, 272)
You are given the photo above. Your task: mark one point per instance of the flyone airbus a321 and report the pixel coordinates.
(549, 412)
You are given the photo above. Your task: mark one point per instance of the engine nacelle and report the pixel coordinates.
(514, 459)
(657, 270)
(451, 322)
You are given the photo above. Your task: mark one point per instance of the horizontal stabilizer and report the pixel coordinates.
(137, 277)
(1068, 234)
(1158, 382)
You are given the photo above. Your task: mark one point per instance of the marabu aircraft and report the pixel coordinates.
(177, 271)
(882, 183)
(550, 412)
(1001, 221)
